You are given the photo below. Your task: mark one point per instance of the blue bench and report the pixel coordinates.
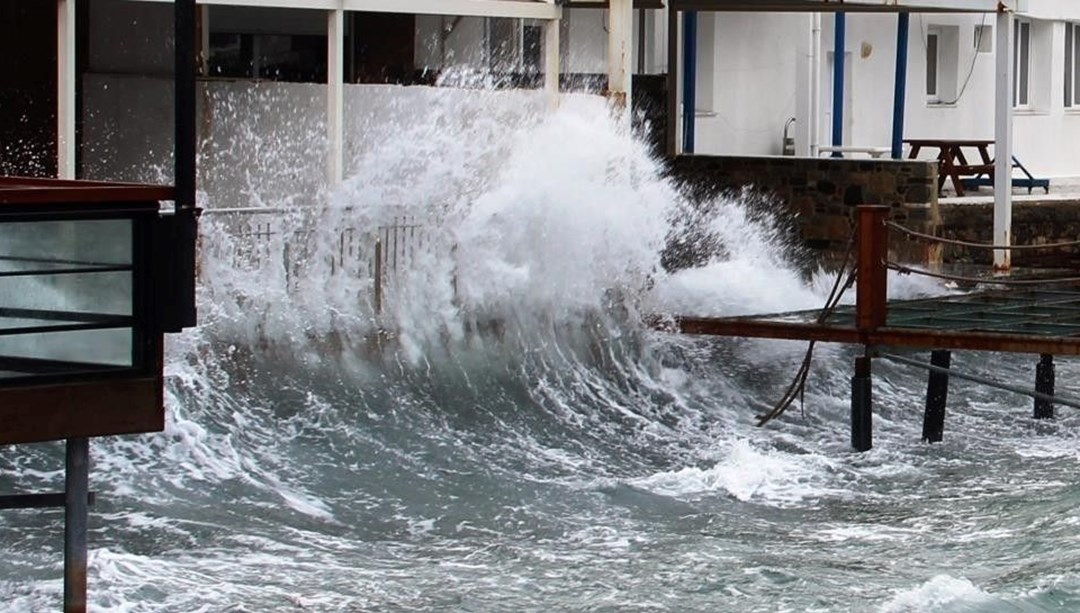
(1028, 181)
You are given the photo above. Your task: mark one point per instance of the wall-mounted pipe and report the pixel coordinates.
(689, 79)
(838, 81)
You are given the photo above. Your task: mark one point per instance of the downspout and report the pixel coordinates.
(838, 82)
(815, 85)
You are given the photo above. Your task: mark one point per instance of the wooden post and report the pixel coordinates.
(871, 290)
(937, 393)
(862, 432)
(1044, 384)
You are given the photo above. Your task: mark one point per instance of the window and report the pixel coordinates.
(1072, 65)
(1022, 57)
(932, 66)
(942, 58)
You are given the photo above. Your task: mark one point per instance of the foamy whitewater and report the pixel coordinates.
(504, 434)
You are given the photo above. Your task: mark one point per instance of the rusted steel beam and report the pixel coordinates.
(896, 337)
(871, 301)
(750, 328)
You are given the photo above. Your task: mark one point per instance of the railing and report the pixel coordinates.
(381, 256)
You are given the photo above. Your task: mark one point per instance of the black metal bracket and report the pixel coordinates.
(39, 501)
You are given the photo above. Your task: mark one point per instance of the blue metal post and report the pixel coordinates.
(900, 89)
(689, 79)
(838, 82)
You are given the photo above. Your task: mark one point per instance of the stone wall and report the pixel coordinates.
(822, 193)
(1034, 223)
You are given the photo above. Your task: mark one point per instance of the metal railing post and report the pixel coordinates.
(871, 290)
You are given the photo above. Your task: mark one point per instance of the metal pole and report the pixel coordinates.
(620, 55)
(689, 79)
(862, 428)
(900, 84)
(65, 89)
(838, 82)
(76, 518)
(1003, 132)
(984, 381)
(1044, 384)
(335, 91)
(672, 81)
(184, 138)
(871, 307)
(937, 394)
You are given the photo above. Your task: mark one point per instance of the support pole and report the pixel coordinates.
(900, 84)
(620, 54)
(1044, 384)
(76, 519)
(335, 90)
(862, 436)
(871, 308)
(65, 89)
(689, 80)
(815, 85)
(1003, 131)
(183, 313)
(672, 81)
(839, 49)
(551, 60)
(937, 394)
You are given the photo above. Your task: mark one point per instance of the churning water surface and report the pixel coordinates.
(524, 442)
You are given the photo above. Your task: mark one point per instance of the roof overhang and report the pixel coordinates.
(853, 6)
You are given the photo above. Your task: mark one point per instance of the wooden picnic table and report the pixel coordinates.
(954, 163)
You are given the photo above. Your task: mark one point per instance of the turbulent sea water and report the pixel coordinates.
(524, 443)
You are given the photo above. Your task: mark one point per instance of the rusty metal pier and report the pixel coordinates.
(1032, 316)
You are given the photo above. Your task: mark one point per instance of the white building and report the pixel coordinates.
(754, 72)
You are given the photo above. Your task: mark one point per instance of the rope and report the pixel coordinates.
(959, 243)
(905, 270)
(984, 381)
(797, 387)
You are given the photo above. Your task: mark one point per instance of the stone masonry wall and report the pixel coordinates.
(823, 192)
(1034, 223)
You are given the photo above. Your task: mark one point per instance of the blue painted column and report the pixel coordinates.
(838, 82)
(689, 79)
(900, 89)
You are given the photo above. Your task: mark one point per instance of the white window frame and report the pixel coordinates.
(1022, 64)
(1072, 65)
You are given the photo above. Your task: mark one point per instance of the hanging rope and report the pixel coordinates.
(798, 385)
(949, 241)
(906, 270)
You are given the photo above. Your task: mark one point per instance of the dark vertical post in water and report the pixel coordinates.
(900, 84)
(839, 49)
(937, 394)
(184, 135)
(689, 80)
(1044, 384)
(76, 518)
(862, 436)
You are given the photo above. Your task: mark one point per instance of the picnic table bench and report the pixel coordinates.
(964, 174)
